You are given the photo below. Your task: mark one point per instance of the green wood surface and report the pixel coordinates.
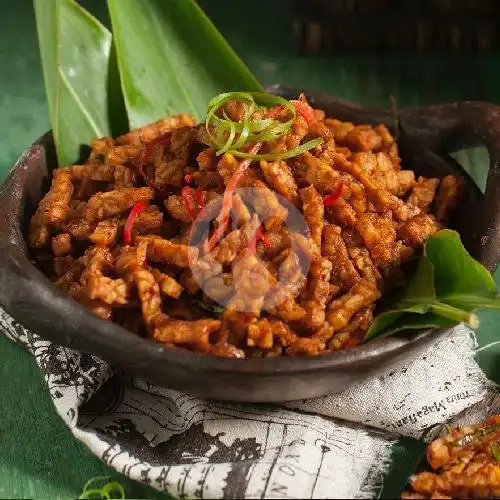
(38, 456)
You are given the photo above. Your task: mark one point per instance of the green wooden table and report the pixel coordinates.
(38, 456)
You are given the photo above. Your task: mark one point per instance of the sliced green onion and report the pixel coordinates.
(212, 308)
(495, 451)
(114, 487)
(104, 492)
(230, 139)
(280, 156)
(242, 139)
(468, 438)
(228, 136)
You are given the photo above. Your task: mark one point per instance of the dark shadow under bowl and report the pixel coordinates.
(425, 136)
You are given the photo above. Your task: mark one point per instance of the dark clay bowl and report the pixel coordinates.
(425, 136)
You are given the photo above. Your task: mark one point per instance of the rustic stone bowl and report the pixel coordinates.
(425, 135)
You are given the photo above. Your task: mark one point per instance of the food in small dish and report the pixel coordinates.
(465, 464)
(268, 230)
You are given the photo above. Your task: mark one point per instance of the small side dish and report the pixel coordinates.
(182, 232)
(465, 464)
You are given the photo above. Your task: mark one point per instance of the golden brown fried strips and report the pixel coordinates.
(61, 244)
(110, 203)
(318, 292)
(52, 210)
(192, 334)
(449, 195)
(280, 178)
(314, 213)
(282, 292)
(105, 232)
(464, 464)
(341, 310)
(161, 250)
(168, 285)
(150, 132)
(423, 193)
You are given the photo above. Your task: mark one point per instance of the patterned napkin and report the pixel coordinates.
(337, 445)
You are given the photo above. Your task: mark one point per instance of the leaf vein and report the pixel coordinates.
(168, 56)
(97, 131)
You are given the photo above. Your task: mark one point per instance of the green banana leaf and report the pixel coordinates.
(81, 77)
(172, 59)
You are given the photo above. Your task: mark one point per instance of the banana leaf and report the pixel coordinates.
(81, 77)
(172, 59)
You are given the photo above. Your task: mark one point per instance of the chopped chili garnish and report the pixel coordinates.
(259, 236)
(146, 151)
(304, 110)
(200, 197)
(188, 178)
(227, 201)
(186, 194)
(265, 239)
(273, 113)
(129, 223)
(334, 196)
(352, 343)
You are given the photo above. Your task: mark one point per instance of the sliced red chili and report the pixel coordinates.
(186, 194)
(259, 235)
(352, 343)
(305, 111)
(129, 223)
(265, 239)
(334, 196)
(200, 197)
(188, 178)
(273, 113)
(227, 201)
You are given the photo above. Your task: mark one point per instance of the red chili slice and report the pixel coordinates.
(129, 223)
(334, 196)
(265, 239)
(273, 113)
(186, 198)
(200, 197)
(188, 178)
(305, 111)
(227, 201)
(352, 343)
(259, 235)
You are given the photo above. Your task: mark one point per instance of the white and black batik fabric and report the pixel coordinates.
(191, 447)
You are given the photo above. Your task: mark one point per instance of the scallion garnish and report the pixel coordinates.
(280, 156)
(111, 488)
(228, 136)
(495, 451)
(468, 438)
